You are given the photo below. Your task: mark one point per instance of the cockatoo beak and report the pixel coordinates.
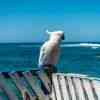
(63, 37)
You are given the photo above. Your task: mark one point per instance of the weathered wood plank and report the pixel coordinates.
(79, 89)
(33, 82)
(3, 95)
(9, 92)
(96, 86)
(53, 94)
(71, 88)
(64, 88)
(21, 85)
(56, 86)
(45, 79)
(88, 89)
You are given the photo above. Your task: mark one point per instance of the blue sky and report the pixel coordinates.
(27, 20)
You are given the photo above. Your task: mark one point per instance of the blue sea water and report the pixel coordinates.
(82, 58)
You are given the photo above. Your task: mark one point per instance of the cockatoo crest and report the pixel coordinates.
(54, 32)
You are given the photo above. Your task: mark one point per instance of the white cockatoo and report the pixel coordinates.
(49, 52)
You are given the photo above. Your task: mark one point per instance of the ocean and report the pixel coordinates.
(80, 58)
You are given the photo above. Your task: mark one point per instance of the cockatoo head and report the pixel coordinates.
(56, 34)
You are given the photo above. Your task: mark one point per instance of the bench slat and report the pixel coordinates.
(88, 89)
(64, 88)
(33, 82)
(7, 89)
(22, 88)
(56, 86)
(79, 88)
(96, 86)
(71, 88)
(45, 79)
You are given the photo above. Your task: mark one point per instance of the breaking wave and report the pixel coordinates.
(92, 45)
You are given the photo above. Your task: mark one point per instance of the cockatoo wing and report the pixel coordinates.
(45, 52)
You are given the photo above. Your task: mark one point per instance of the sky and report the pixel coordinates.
(27, 20)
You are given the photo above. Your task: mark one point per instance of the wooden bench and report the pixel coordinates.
(75, 87)
(36, 85)
(24, 82)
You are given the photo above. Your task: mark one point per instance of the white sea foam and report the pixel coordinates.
(92, 45)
